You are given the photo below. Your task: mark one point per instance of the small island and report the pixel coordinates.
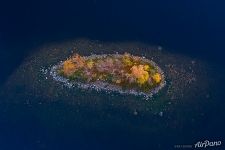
(116, 71)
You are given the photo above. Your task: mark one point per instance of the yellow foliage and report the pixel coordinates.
(90, 64)
(146, 68)
(140, 74)
(69, 67)
(157, 77)
(127, 59)
(142, 79)
(127, 62)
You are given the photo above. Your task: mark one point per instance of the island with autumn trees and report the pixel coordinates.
(126, 71)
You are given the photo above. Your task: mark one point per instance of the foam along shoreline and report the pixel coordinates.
(102, 85)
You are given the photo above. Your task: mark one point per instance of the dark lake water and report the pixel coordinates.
(193, 29)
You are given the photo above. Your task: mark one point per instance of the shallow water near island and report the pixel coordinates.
(59, 116)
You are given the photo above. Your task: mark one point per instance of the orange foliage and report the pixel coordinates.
(140, 74)
(78, 60)
(69, 67)
(157, 77)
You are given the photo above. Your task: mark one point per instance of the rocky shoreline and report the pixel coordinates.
(105, 86)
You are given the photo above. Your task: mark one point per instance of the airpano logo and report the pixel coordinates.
(207, 144)
(201, 145)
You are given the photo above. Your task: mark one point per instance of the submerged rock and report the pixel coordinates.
(181, 100)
